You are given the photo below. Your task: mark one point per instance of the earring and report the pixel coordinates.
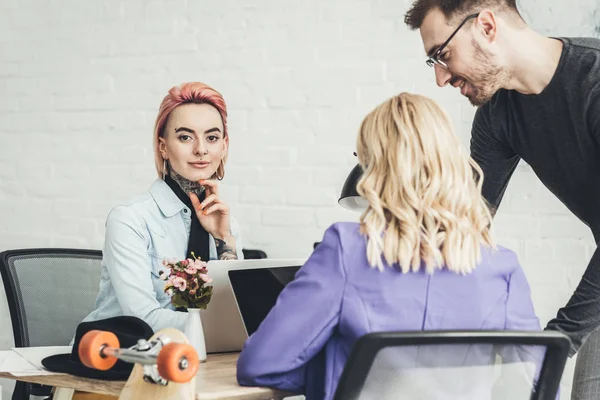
(164, 168)
(216, 172)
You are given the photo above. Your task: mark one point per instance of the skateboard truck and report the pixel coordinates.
(162, 359)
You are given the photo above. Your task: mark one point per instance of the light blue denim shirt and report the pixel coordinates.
(139, 236)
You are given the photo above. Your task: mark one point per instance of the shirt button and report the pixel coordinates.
(185, 210)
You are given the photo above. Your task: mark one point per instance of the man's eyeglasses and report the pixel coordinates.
(433, 59)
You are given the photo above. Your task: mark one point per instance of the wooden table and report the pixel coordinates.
(215, 380)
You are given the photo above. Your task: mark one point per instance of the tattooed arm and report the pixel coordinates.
(226, 248)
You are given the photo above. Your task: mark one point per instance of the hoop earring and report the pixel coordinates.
(164, 168)
(217, 175)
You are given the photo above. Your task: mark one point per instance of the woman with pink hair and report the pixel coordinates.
(182, 212)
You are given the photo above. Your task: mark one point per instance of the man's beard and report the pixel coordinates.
(488, 76)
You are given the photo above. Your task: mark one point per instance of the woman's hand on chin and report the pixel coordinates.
(215, 219)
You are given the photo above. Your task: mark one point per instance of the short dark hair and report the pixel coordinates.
(455, 8)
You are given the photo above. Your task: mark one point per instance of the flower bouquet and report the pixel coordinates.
(186, 283)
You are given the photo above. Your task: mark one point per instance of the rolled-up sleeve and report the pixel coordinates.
(237, 234)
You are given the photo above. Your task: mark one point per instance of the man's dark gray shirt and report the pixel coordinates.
(557, 132)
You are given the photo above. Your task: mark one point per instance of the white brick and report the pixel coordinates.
(295, 176)
(251, 155)
(568, 227)
(279, 127)
(73, 226)
(82, 11)
(286, 55)
(76, 242)
(517, 226)
(74, 172)
(516, 245)
(244, 176)
(371, 96)
(307, 196)
(10, 104)
(247, 215)
(112, 10)
(243, 96)
(74, 85)
(29, 170)
(66, 208)
(289, 216)
(548, 253)
(99, 210)
(326, 216)
(9, 69)
(13, 240)
(263, 195)
(325, 157)
(571, 252)
(334, 92)
(285, 95)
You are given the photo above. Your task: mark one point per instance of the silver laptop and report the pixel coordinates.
(256, 291)
(224, 330)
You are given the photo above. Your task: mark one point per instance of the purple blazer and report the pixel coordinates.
(336, 297)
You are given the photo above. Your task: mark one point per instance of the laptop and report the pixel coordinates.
(256, 291)
(223, 328)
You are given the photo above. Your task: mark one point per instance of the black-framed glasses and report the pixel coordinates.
(433, 59)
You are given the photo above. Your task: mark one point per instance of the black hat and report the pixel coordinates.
(128, 330)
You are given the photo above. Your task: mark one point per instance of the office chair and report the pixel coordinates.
(466, 365)
(250, 254)
(49, 292)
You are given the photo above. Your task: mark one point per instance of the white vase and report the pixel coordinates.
(195, 333)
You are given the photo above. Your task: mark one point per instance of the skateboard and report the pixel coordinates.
(165, 365)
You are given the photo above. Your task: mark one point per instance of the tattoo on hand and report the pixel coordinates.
(224, 251)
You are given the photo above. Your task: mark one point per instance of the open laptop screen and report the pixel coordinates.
(256, 291)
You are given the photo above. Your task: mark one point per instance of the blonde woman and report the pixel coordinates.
(421, 258)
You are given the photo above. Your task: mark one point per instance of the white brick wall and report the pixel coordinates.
(80, 83)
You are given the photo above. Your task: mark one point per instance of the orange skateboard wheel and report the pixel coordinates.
(90, 349)
(177, 362)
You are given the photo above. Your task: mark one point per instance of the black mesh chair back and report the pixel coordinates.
(465, 365)
(49, 292)
(254, 254)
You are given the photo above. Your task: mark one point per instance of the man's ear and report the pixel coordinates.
(487, 25)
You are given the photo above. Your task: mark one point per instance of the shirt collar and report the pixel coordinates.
(167, 201)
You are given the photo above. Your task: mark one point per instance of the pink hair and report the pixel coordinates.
(190, 92)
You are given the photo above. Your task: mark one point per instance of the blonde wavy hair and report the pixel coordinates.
(425, 207)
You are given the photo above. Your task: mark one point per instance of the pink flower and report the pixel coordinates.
(179, 283)
(191, 269)
(205, 278)
(185, 262)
